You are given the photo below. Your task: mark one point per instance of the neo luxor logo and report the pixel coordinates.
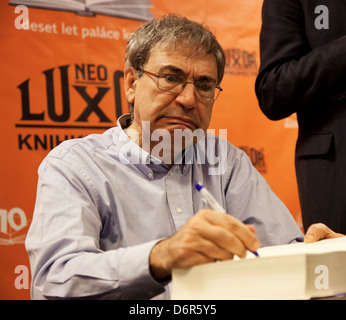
(240, 62)
(59, 81)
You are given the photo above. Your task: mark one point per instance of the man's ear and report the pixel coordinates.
(130, 78)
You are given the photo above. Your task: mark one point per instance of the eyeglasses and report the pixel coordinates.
(173, 83)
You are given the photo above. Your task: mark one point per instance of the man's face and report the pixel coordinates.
(167, 110)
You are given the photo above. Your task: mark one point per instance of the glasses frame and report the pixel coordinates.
(183, 87)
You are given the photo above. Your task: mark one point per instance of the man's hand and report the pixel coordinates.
(320, 231)
(208, 236)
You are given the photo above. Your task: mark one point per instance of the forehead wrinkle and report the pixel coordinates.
(173, 68)
(187, 54)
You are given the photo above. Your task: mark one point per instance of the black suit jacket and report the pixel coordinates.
(303, 70)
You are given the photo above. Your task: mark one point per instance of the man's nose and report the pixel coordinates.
(187, 97)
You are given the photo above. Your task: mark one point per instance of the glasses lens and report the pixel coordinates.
(171, 83)
(205, 90)
(175, 84)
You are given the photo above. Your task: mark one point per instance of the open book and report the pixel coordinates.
(130, 9)
(294, 271)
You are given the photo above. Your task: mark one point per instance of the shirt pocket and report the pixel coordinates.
(315, 144)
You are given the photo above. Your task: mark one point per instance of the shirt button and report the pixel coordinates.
(171, 173)
(150, 174)
(179, 210)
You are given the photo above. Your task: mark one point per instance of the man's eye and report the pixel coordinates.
(203, 86)
(171, 78)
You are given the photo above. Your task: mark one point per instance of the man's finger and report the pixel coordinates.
(242, 232)
(319, 231)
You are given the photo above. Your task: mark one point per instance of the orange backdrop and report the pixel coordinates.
(62, 79)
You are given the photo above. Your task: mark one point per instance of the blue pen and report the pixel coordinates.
(213, 204)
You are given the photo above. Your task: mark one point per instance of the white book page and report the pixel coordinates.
(323, 246)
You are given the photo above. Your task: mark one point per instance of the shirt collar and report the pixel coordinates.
(130, 150)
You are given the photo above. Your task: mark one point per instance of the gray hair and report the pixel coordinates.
(169, 32)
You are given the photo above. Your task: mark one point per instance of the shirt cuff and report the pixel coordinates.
(136, 280)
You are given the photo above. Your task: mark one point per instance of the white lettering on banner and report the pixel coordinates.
(99, 32)
(43, 27)
(12, 226)
(322, 280)
(69, 30)
(22, 21)
(21, 281)
(8, 218)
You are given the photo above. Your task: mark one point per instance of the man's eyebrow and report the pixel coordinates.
(174, 69)
(207, 78)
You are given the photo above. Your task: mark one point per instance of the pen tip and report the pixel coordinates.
(198, 186)
(255, 253)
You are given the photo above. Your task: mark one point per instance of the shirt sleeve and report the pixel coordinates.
(63, 243)
(292, 75)
(251, 200)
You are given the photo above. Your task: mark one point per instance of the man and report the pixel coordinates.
(112, 219)
(303, 70)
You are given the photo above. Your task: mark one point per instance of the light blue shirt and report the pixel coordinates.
(99, 212)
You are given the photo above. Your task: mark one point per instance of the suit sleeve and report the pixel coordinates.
(293, 76)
